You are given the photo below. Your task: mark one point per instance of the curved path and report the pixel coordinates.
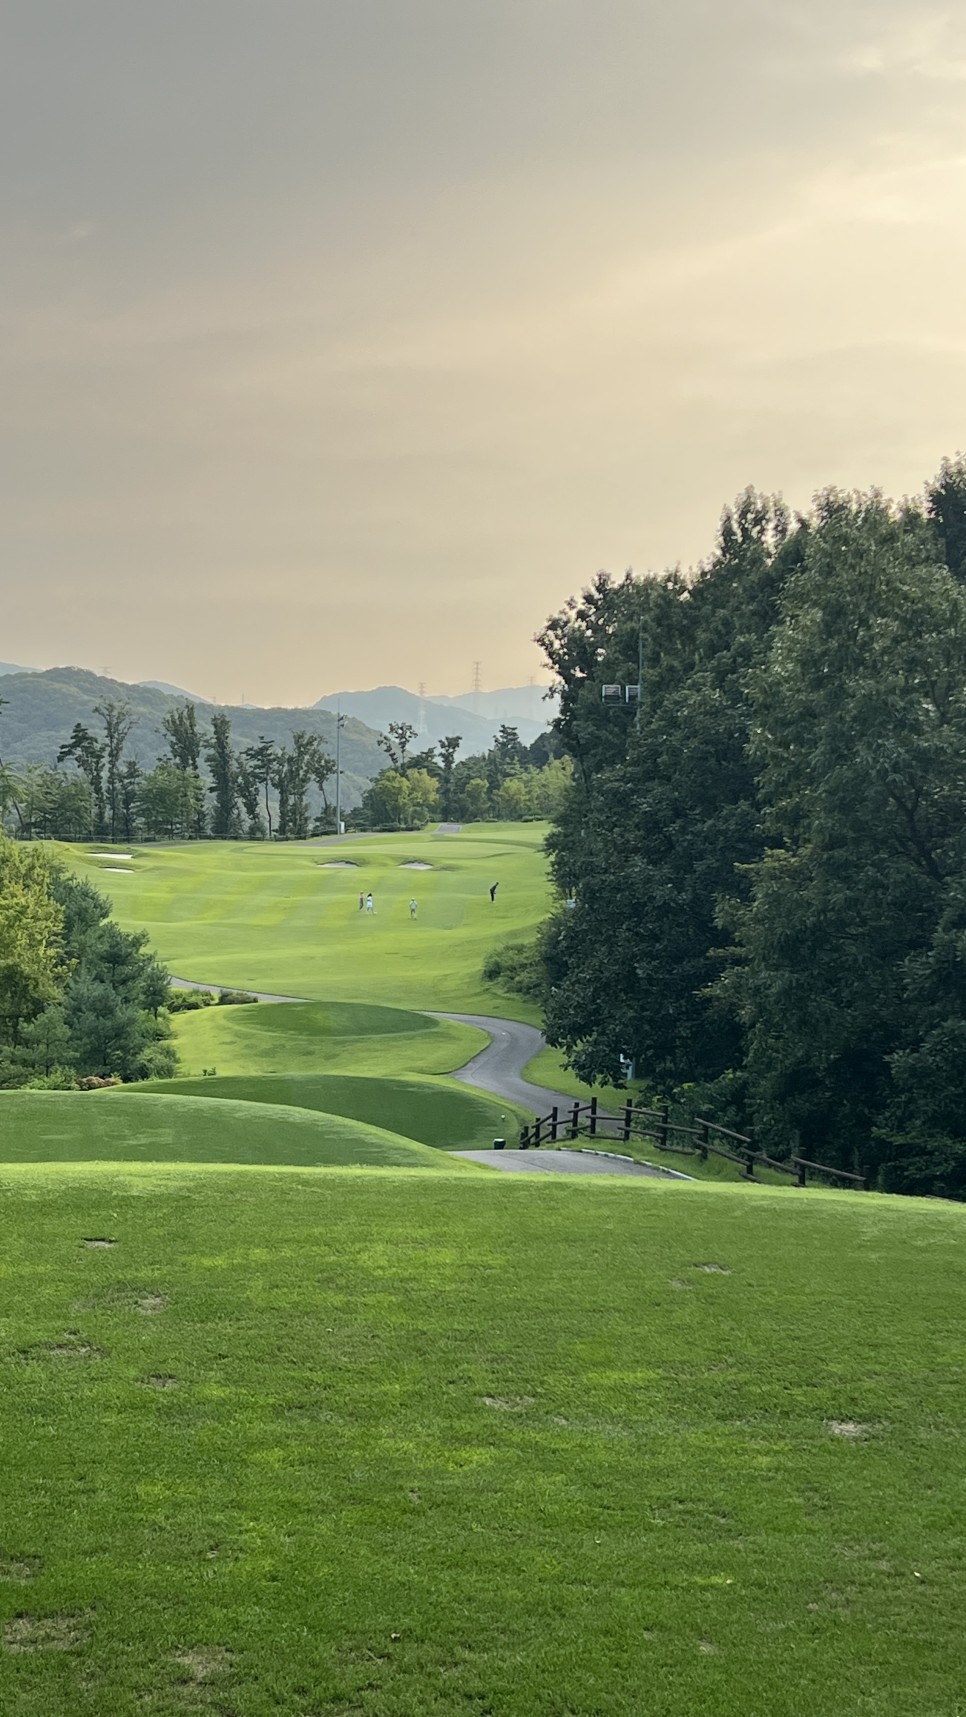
(499, 1069)
(219, 989)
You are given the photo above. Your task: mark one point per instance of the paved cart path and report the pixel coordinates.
(499, 1067)
(563, 1162)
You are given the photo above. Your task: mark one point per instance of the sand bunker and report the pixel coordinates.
(338, 864)
(415, 864)
(122, 869)
(111, 855)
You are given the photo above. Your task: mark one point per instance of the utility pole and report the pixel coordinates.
(339, 721)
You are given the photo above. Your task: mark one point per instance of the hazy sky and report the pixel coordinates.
(341, 340)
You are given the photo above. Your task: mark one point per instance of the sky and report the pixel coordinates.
(342, 340)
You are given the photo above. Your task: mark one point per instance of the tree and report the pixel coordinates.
(663, 804)
(260, 760)
(32, 966)
(859, 736)
(249, 792)
(185, 745)
(396, 742)
(448, 748)
(224, 778)
(117, 722)
(88, 753)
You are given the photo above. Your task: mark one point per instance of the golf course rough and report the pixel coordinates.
(387, 1441)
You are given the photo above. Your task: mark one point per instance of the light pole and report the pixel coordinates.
(339, 720)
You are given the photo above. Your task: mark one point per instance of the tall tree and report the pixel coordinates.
(117, 721)
(88, 753)
(260, 759)
(448, 748)
(224, 778)
(396, 741)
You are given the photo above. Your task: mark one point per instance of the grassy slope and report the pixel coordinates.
(450, 1444)
(435, 1112)
(348, 1037)
(273, 918)
(67, 1126)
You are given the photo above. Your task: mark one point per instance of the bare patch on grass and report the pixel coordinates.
(72, 1346)
(848, 1428)
(708, 1647)
(19, 1567)
(44, 1633)
(150, 1304)
(677, 1283)
(713, 1269)
(203, 1662)
(101, 1240)
(508, 1403)
(160, 1380)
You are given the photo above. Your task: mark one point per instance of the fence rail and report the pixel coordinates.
(701, 1138)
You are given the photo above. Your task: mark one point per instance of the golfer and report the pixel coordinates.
(370, 903)
(412, 909)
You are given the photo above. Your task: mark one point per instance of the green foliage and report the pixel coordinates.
(517, 967)
(78, 995)
(766, 868)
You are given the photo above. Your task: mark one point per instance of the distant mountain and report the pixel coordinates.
(436, 717)
(173, 691)
(43, 708)
(11, 668)
(515, 705)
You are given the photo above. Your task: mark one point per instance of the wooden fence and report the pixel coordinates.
(701, 1139)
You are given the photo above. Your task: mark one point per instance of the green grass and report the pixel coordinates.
(272, 918)
(436, 1112)
(348, 1037)
(356, 1444)
(69, 1126)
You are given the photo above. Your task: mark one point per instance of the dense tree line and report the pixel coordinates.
(78, 995)
(762, 865)
(509, 783)
(203, 784)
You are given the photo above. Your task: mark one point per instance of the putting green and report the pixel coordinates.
(315, 1037)
(280, 918)
(70, 1126)
(436, 1112)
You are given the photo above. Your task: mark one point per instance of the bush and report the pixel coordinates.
(188, 1001)
(517, 967)
(234, 998)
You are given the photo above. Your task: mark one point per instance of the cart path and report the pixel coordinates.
(499, 1067)
(550, 1161)
(220, 989)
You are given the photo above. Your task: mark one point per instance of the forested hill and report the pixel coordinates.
(41, 710)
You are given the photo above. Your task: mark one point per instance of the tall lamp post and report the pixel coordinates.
(339, 723)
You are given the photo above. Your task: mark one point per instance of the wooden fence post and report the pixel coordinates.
(593, 1117)
(536, 1131)
(802, 1174)
(553, 1125)
(749, 1165)
(628, 1112)
(703, 1142)
(525, 1138)
(662, 1135)
(575, 1121)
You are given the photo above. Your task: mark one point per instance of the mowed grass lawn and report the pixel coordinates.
(285, 918)
(136, 1125)
(435, 1112)
(315, 1037)
(385, 1443)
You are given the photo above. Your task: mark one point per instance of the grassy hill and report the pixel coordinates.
(280, 1443)
(436, 1112)
(286, 918)
(43, 707)
(83, 1127)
